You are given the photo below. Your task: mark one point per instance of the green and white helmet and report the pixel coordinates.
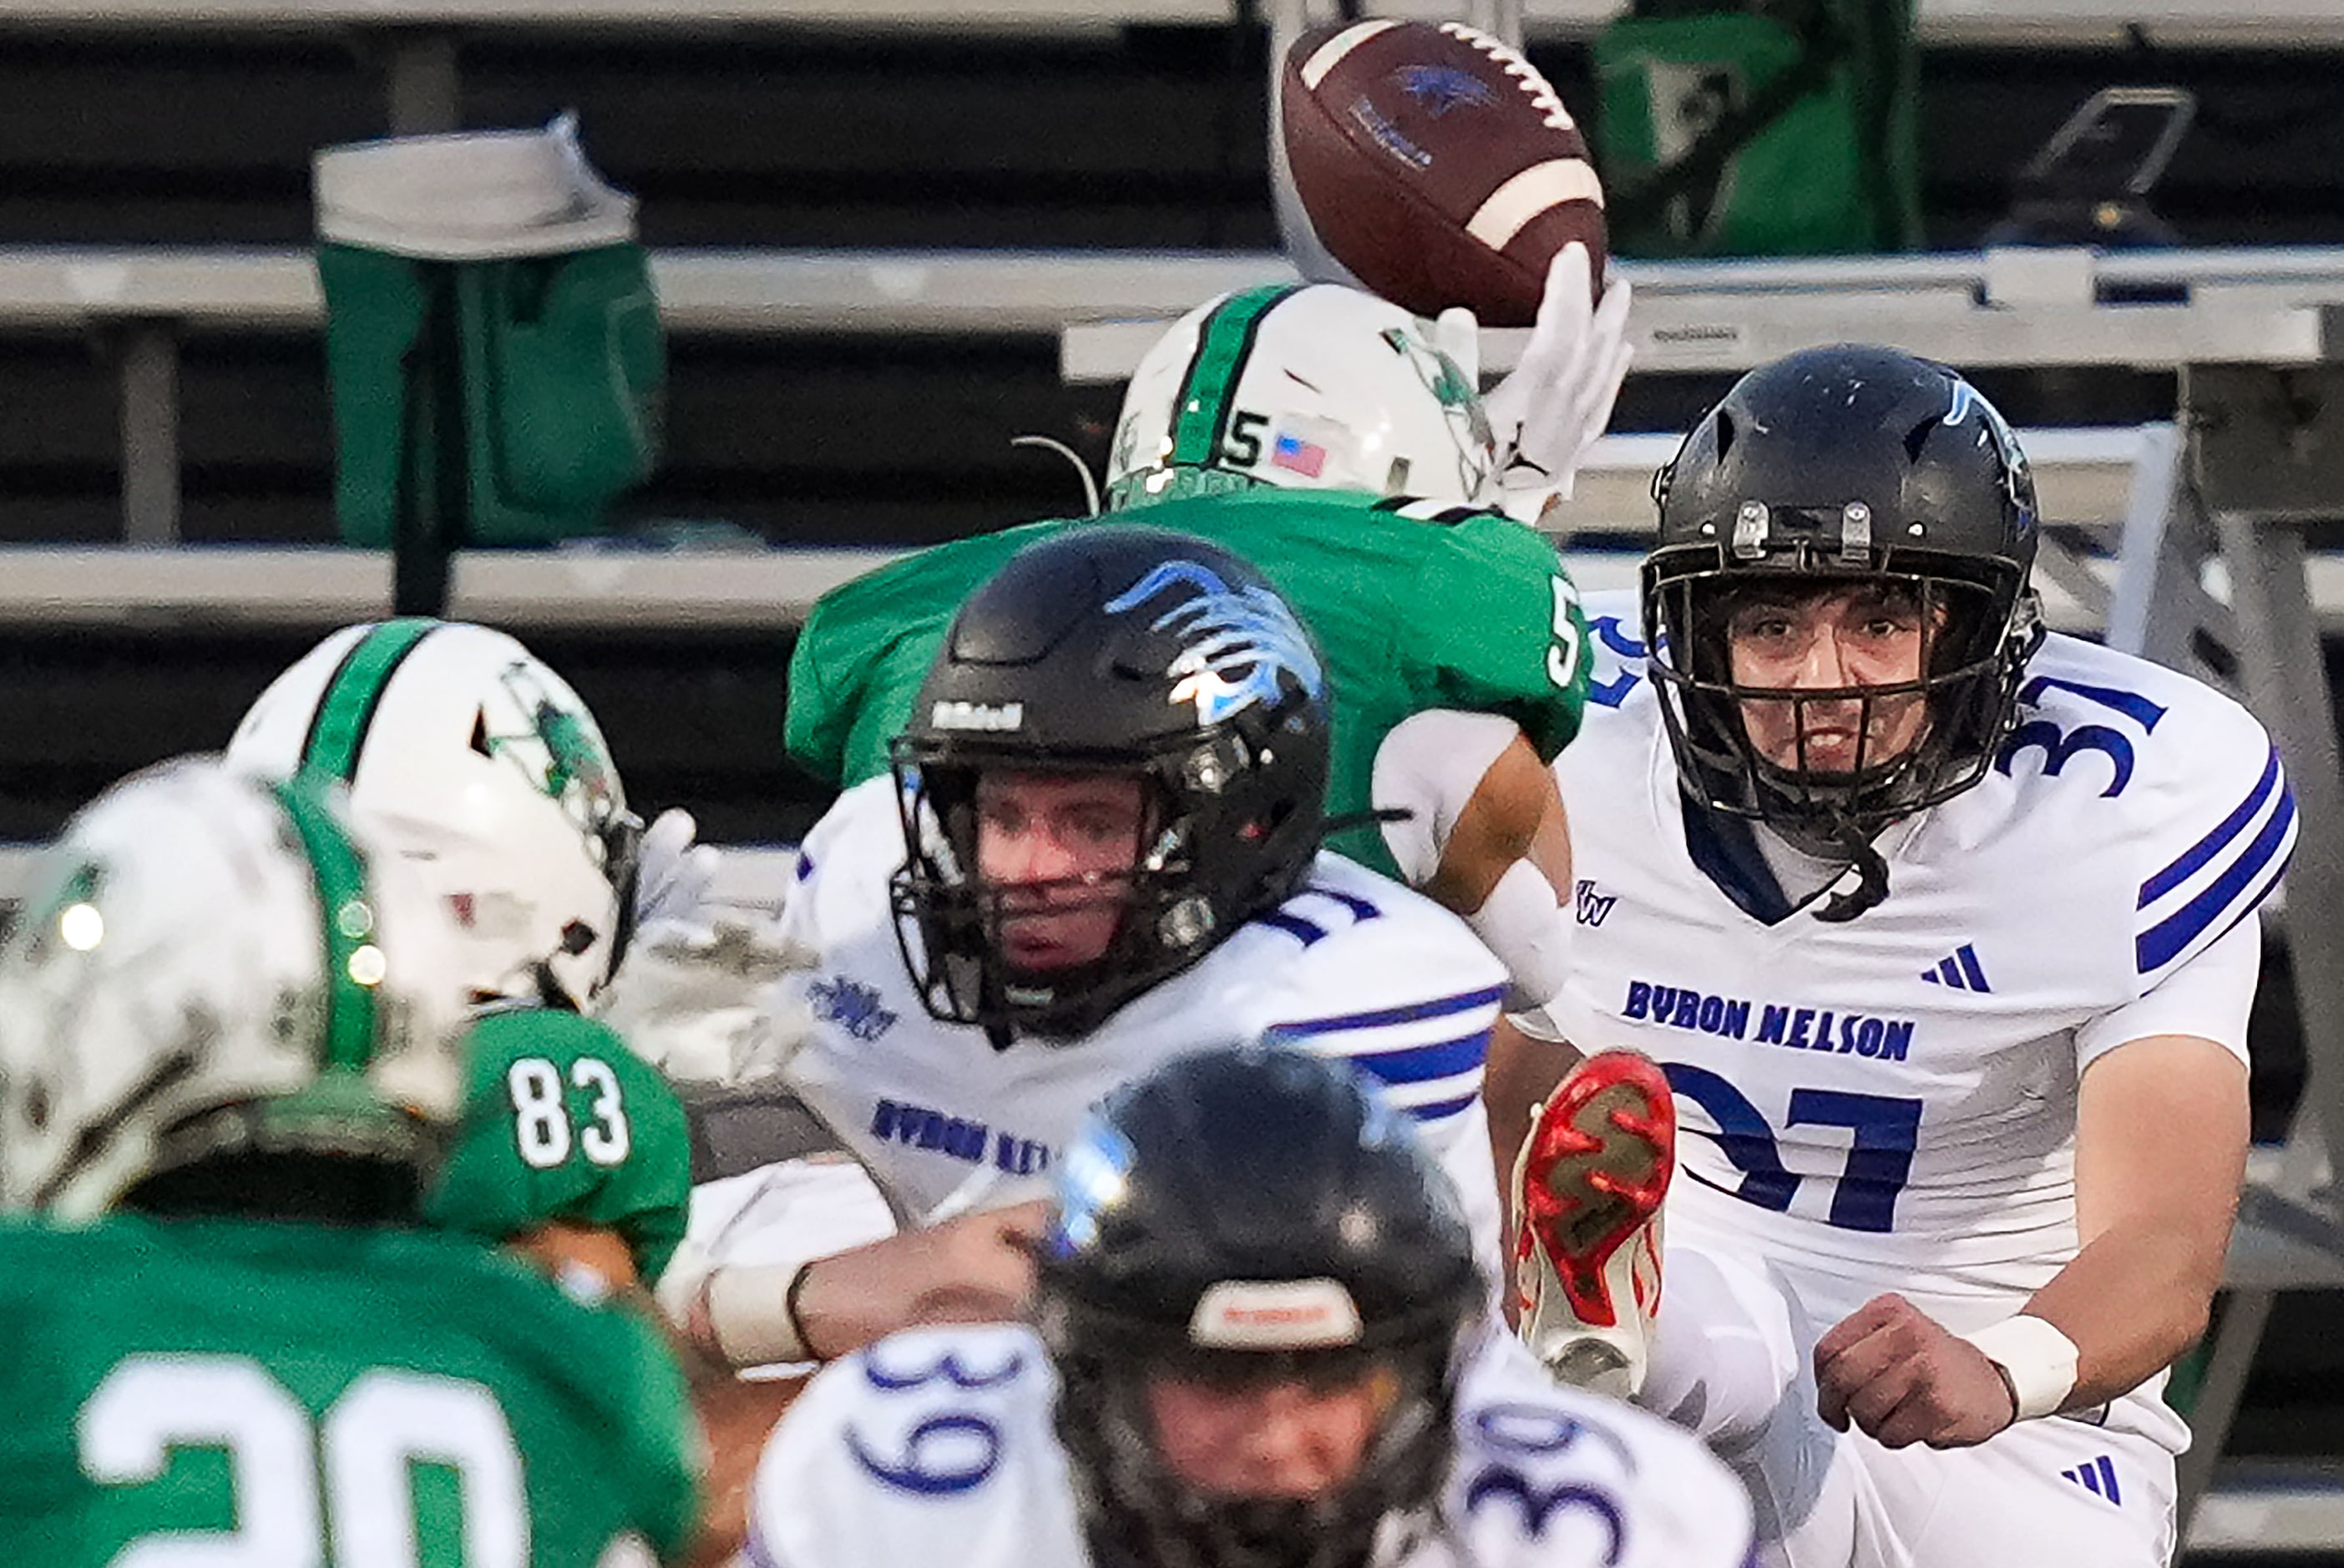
(209, 964)
(1312, 386)
(487, 772)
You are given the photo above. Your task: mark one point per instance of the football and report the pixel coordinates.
(1438, 165)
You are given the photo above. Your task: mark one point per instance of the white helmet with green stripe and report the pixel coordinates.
(209, 964)
(1312, 386)
(487, 772)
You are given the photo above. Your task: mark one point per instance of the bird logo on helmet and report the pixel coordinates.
(559, 755)
(1246, 629)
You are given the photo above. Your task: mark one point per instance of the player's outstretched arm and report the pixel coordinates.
(1549, 413)
(976, 1268)
(1484, 837)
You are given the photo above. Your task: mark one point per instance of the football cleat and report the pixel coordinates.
(1587, 1188)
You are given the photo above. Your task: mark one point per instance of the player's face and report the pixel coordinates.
(1834, 637)
(1061, 847)
(1283, 1440)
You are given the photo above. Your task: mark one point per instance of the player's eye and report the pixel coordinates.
(1001, 816)
(1101, 826)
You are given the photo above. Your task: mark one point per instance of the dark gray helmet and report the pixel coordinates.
(1832, 464)
(1114, 648)
(1242, 1214)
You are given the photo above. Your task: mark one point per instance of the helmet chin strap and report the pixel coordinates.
(1871, 869)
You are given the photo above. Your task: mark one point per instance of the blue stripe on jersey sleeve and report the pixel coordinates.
(2163, 942)
(1422, 1064)
(2207, 847)
(1439, 1108)
(1407, 1013)
(1303, 931)
(1361, 908)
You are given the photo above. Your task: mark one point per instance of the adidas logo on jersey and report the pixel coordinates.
(1962, 971)
(2097, 1477)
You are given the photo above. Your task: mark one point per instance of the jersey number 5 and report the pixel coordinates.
(1562, 654)
(541, 1121)
(295, 1481)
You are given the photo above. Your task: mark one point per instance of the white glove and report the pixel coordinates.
(673, 875)
(702, 1001)
(1554, 407)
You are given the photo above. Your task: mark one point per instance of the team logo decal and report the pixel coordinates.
(560, 753)
(852, 1005)
(1966, 399)
(1239, 641)
(1440, 88)
(1093, 1180)
(1459, 400)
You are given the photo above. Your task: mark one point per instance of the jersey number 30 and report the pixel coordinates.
(296, 1481)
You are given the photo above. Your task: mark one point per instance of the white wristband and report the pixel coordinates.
(2038, 1359)
(1525, 928)
(751, 1313)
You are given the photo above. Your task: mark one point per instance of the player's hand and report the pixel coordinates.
(673, 874)
(701, 1003)
(977, 1268)
(1551, 409)
(1904, 1378)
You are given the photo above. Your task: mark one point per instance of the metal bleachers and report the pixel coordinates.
(2128, 538)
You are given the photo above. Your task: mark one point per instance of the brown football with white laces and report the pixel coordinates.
(1438, 165)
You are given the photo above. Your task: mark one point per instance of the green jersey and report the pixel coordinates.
(563, 1121)
(239, 1391)
(1415, 606)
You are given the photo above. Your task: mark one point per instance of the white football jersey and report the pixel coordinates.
(1890, 1103)
(940, 1440)
(1355, 966)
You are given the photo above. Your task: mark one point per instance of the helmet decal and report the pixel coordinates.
(2017, 478)
(1459, 400)
(1223, 345)
(1247, 628)
(1093, 1176)
(559, 754)
(338, 730)
(352, 965)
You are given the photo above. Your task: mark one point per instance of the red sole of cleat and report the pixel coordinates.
(1601, 1159)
